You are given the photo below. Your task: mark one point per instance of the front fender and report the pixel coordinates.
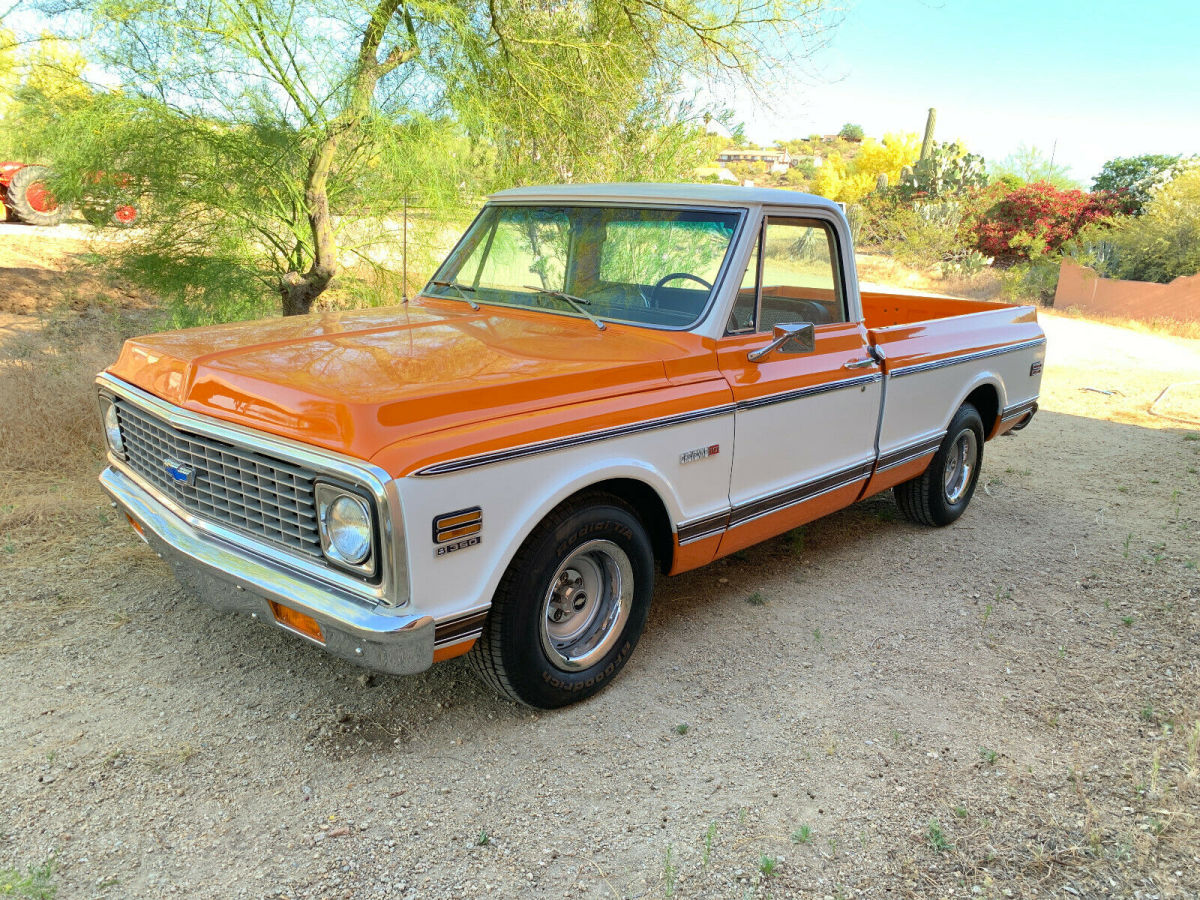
(515, 496)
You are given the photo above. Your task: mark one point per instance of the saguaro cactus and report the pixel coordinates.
(881, 182)
(927, 143)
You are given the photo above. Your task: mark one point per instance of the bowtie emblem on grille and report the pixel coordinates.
(180, 473)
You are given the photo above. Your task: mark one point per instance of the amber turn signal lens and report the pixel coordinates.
(297, 621)
(137, 526)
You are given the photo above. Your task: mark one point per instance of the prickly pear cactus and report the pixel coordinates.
(948, 170)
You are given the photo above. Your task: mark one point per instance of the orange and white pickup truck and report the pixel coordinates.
(598, 382)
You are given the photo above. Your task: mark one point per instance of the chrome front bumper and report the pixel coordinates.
(231, 578)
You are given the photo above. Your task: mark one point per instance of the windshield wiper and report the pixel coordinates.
(576, 303)
(461, 289)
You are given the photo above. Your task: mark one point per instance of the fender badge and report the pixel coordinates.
(699, 453)
(444, 549)
(457, 530)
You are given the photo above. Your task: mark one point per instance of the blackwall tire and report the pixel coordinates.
(30, 199)
(940, 494)
(571, 607)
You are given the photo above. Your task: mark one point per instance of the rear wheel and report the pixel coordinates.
(940, 494)
(30, 198)
(571, 607)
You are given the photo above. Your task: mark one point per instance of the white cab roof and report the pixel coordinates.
(637, 192)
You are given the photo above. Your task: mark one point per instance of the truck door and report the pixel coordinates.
(806, 413)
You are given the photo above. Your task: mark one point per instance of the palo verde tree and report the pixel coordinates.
(268, 131)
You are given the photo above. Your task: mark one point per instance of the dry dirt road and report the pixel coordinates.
(1004, 708)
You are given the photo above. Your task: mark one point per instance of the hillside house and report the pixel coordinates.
(777, 161)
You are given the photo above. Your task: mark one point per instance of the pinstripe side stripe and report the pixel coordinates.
(1017, 409)
(966, 357)
(908, 453)
(800, 393)
(773, 502)
(576, 440)
(455, 630)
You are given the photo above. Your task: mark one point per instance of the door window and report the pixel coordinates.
(800, 278)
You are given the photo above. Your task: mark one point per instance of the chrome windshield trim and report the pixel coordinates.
(741, 209)
(963, 358)
(393, 588)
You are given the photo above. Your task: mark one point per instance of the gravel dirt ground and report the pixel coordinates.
(1009, 707)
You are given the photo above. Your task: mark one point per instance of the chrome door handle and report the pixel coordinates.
(860, 363)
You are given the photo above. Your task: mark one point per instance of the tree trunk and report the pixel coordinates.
(299, 291)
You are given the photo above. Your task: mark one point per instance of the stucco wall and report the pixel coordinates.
(1083, 289)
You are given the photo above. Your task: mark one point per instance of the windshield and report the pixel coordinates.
(628, 264)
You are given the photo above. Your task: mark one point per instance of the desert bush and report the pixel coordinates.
(921, 234)
(1160, 245)
(850, 180)
(1138, 176)
(1032, 281)
(1030, 221)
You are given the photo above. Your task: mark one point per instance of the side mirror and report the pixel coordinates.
(794, 337)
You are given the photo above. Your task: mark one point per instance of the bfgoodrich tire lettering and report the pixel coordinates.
(940, 494)
(571, 606)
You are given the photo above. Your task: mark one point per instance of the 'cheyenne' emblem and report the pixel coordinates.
(180, 473)
(699, 453)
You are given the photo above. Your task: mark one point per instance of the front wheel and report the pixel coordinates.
(940, 494)
(571, 607)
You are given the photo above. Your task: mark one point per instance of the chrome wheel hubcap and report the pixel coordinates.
(960, 465)
(586, 605)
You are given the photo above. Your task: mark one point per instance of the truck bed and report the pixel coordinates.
(883, 309)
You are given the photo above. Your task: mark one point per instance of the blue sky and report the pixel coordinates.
(1094, 80)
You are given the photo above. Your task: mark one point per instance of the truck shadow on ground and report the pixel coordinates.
(798, 598)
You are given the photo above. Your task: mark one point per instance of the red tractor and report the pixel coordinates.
(27, 197)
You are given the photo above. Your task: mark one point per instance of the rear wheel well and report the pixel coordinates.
(986, 401)
(649, 508)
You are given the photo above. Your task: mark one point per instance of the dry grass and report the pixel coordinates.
(50, 448)
(1171, 327)
(887, 271)
(47, 403)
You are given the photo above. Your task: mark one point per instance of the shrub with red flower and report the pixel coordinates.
(1040, 218)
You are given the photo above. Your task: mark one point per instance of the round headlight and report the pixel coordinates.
(348, 524)
(112, 429)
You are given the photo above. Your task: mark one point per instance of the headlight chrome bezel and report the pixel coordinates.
(110, 424)
(328, 493)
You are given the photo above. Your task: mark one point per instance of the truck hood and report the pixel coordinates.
(357, 381)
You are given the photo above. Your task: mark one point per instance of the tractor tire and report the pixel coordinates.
(30, 199)
(118, 214)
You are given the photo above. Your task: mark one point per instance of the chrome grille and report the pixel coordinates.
(267, 498)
